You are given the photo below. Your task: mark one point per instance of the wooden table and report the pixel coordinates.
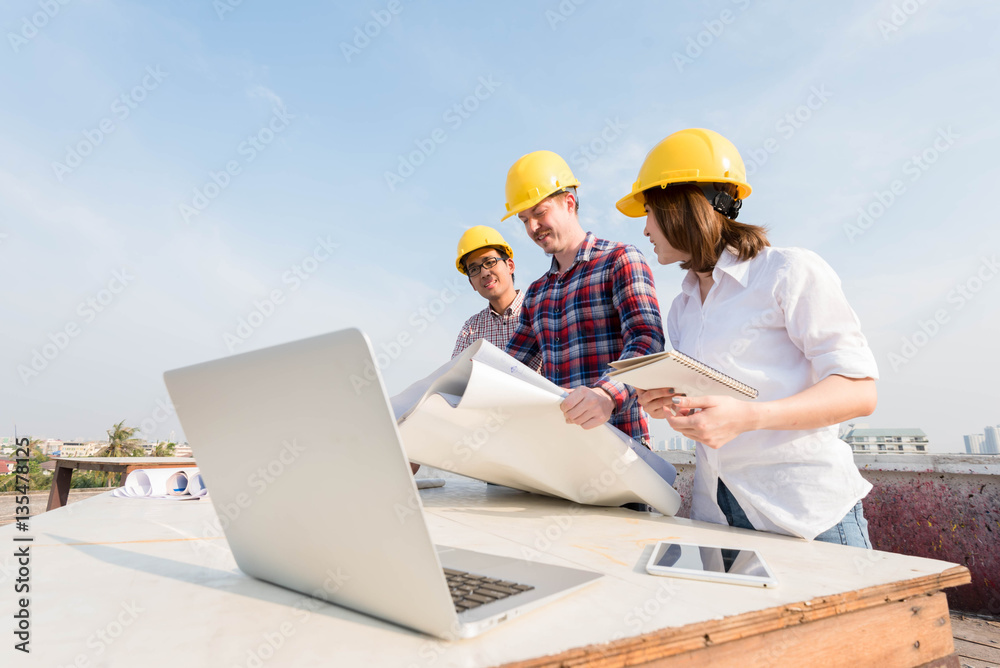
(112, 578)
(65, 466)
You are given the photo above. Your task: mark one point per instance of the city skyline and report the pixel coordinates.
(987, 443)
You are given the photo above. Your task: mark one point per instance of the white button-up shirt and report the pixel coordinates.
(780, 323)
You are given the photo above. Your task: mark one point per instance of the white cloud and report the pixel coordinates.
(261, 91)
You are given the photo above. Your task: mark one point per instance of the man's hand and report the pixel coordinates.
(587, 407)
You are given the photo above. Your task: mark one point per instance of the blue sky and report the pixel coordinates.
(329, 174)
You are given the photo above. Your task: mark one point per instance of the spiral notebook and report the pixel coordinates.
(683, 373)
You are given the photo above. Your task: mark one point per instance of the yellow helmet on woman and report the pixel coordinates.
(688, 156)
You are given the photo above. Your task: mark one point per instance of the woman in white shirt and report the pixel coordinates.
(773, 318)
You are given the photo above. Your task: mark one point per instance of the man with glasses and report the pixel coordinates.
(488, 261)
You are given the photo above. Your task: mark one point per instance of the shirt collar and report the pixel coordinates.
(583, 255)
(689, 285)
(728, 263)
(514, 307)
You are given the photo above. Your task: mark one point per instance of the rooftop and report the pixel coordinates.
(882, 433)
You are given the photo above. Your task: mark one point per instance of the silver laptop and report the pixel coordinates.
(304, 464)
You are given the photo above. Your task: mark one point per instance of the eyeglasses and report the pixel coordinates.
(488, 263)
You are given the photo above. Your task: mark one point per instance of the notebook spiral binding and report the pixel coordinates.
(715, 374)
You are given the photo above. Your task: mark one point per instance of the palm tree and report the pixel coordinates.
(35, 449)
(163, 449)
(121, 444)
(37, 479)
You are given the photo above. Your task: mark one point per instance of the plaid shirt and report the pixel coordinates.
(602, 308)
(497, 328)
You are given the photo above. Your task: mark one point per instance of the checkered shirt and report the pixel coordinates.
(602, 308)
(497, 328)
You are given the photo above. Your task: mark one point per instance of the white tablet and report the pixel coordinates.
(708, 562)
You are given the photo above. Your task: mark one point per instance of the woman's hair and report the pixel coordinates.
(691, 225)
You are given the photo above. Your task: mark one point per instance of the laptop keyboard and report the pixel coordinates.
(469, 590)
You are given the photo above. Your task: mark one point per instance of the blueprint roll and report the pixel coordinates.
(196, 484)
(177, 483)
(158, 483)
(484, 415)
(137, 484)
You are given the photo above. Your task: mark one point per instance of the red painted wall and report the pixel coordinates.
(947, 516)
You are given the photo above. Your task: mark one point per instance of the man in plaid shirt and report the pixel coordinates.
(596, 304)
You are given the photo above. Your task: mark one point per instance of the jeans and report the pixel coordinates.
(852, 530)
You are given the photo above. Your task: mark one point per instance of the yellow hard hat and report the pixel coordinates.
(478, 237)
(534, 177)
(688, 156)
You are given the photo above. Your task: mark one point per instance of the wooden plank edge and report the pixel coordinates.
(950, 661)
(121, 467)
(676, 640)
(974, 650)
(977, 631)
(920, 635)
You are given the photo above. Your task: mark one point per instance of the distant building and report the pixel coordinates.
(150, 447)
(886, 441)
(7, 466)
(991, 441)
(182, 450)
(987, 443)
(974, 444)
(680, 443)
(72, 446)
(81, 449)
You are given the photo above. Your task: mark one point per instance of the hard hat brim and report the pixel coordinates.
(535, 201)
(525, 205)
(632, 205)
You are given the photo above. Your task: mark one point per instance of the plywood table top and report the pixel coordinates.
(117, 581)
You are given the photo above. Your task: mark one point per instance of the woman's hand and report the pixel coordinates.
(657, 402)
(713, 420)
(716, 420)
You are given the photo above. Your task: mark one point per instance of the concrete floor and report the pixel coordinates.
(37, 501)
